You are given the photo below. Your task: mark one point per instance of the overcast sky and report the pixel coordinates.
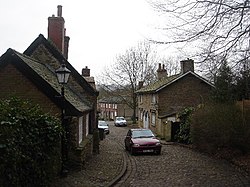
(98, 29)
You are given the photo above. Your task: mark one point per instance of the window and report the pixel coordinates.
(153, 119)
(153, 100)
(80, 123)
(87, 124)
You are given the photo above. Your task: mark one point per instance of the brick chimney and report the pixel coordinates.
(87, 77)
(187, 65)
(86, 72)
(57, 32)
(140, 85)
(161, 71)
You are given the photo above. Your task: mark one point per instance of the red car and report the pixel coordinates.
(142, 141)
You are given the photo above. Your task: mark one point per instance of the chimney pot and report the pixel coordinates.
(159, 68)
(59, 11)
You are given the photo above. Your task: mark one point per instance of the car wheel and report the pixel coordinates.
(131, 151)
(158, 152)
(126, 147)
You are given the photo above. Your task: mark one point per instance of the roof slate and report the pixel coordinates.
(158, 84)
(165, 81)
(41, 40)
(46, 73)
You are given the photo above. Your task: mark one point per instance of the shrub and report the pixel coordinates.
(29, 144)
(218, 126)
(183, 134)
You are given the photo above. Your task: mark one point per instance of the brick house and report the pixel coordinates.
(160, 102)
(31, 75)
(110, 107)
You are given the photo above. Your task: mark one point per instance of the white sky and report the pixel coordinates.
(98, 29)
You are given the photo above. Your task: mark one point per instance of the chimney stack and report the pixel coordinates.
(140, 85)
(187, 65)
(87, 77)
(161, 72)
(86, 72)
(57, 32)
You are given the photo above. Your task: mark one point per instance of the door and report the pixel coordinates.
(146, 120)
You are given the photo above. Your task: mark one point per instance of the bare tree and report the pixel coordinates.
(172, 65)
(137, 64)
(220, 26)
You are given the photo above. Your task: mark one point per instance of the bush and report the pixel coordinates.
(219, 126)
(183, 134)
(29, 144)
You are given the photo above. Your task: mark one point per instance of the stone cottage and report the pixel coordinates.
(31, 75)
(160, 102)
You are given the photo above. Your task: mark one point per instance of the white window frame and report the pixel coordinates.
(153, 99)
(87, 124)
(80, 129)
(141, 115)
(153, 117)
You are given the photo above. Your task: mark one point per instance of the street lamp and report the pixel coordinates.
(63, 76)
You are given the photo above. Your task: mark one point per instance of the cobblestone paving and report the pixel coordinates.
(176, 166)
(100, 170)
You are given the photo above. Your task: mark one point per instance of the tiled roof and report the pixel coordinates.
(114, 100)
(60, 58)
(162, 83)
(158, 84)
(48, 75)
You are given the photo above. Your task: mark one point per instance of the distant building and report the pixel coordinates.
(111, 107)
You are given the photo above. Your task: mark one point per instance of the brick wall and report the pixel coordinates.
(13, 83)
(56, 30)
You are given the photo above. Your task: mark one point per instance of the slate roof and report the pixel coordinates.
(113, 100)
(61, 59)
(44, 77)
(166, 81)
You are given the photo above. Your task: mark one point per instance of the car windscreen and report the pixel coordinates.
(120, 118)
(142, 134)
(102, 124)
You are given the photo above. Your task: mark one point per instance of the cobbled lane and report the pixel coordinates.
(177, 166)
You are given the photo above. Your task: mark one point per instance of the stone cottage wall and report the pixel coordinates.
(188, 91)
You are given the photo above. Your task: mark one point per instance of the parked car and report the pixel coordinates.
(103, 125)
(142, 141)
(120, 121)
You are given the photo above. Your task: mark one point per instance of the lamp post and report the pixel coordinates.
(63, 76)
